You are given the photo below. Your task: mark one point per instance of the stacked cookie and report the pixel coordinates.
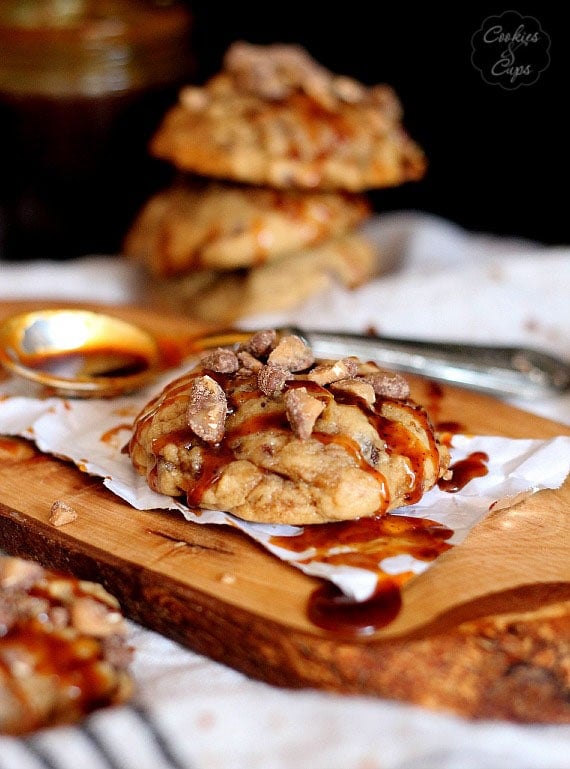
(275, 155)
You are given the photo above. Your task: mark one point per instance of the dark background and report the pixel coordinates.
(498, 159)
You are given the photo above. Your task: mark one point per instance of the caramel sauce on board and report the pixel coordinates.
(9, 447)
(364, 543)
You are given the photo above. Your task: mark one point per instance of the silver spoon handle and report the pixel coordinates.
(511, 371)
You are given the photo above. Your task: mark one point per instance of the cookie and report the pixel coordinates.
(275, 117)
(269, 434)
(223, 297)
(220, 226)
(63, 650)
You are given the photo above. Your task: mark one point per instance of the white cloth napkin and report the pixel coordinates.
(191, 712)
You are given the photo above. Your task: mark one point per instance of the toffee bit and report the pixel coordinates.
(325, 373)
(61, 513)
(357, 387)
(348, 89)
(248, 362)
(117, 652)
(90, 617)
(207, 409)
(272, 72)
(261, 343)
(292, 353)
(221, 360)
(19, 574)
(302, 411)
(271, 379)
(388, 384)
(276, 71)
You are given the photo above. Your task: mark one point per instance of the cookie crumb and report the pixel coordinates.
(61, 513)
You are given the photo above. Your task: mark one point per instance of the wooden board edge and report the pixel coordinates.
(488, 666)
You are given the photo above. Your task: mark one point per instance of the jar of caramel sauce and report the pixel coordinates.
(83, 85)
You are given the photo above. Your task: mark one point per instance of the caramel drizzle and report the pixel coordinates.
(463, 471)
(364, 543)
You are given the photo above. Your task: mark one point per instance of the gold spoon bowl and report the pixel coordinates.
(79, 352)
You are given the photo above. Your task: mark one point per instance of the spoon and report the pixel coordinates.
(90, 354)
(78, 352)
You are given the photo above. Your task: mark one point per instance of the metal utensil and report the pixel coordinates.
(78, 352)
(500, 370)
(90, 354)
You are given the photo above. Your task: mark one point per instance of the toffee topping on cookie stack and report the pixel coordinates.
(274, 116)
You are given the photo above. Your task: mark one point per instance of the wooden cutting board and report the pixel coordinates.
(485, 632)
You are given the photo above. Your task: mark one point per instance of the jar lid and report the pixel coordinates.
(92, 47)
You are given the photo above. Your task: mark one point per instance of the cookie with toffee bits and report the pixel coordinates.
(63, 650)
(268, 433)
(216, 226)
(273, 116)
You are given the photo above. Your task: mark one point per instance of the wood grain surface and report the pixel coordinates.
(485, 632)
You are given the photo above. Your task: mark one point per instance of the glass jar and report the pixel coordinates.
(83, 85)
